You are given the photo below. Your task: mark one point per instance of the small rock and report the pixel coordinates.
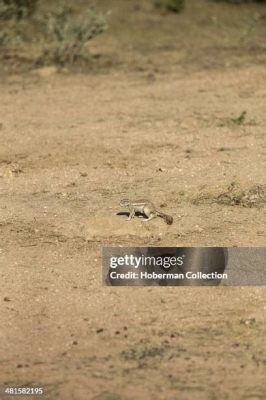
(45, 72)
(248, 321)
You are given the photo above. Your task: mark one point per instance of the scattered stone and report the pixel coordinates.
(248, 321)
(235, 195)
(45, 72)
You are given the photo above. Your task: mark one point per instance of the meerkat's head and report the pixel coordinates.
(124, 202)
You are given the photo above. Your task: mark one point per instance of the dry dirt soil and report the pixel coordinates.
(174, 113)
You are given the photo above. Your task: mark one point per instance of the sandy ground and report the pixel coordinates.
(160, 126)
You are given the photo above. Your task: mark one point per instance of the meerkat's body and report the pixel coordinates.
(146, 208)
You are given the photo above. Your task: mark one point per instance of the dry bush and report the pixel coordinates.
(17, 9)
(60, 36)
(66, 35)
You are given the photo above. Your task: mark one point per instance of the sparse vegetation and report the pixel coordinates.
(175, 6)
(59, 36)
(240, 119)
(241, 1)
(17, 9)
(235, 195)
(67, 35)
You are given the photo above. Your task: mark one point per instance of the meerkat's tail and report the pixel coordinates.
(168, 219)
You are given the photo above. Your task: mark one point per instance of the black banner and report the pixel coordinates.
(184, 266)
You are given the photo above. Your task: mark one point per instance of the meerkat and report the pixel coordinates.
(146, 208)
